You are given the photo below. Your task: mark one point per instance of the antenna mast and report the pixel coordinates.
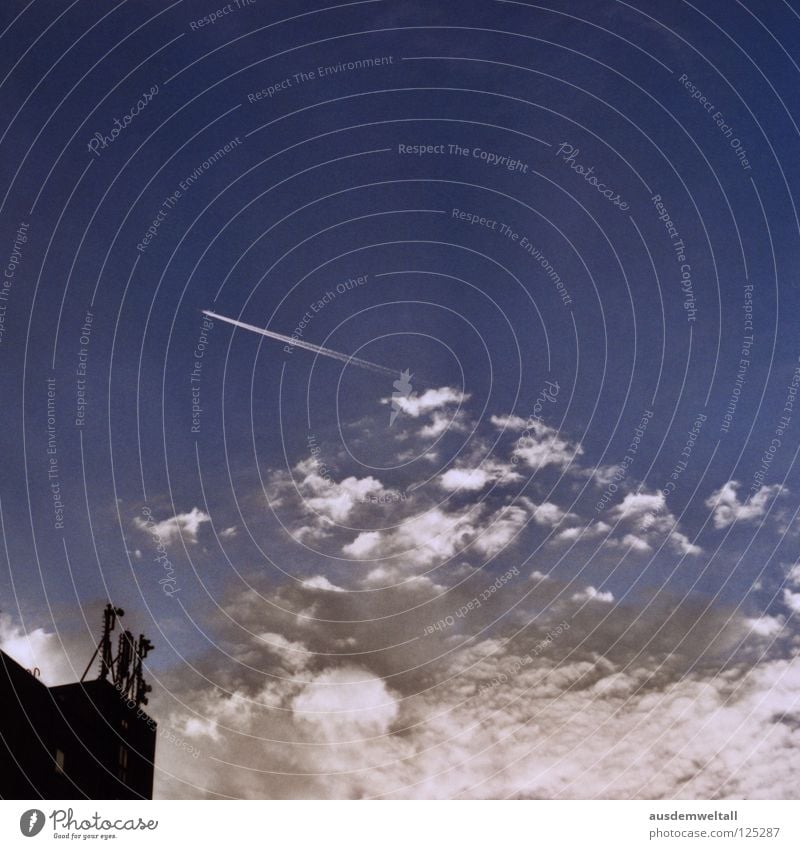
(126, 668)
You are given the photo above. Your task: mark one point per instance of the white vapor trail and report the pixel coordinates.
(307, 346)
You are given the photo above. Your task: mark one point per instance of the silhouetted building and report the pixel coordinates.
(87, 740)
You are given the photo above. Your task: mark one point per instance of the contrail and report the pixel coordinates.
(308, 346)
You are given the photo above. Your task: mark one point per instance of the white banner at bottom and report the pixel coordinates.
(390, 824)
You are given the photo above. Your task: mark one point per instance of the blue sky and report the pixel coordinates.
(574, 226)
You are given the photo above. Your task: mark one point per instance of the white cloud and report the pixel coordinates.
(195, 728)
(546, 513)
(590, 531)
(793, 574)
(593, 594)
(545, 447)
(439, 423)
(316, 494)
(792, 600)
(683, 544)
(366, 544)
(438, 535)
(542, 446)
(500, 530)
(184, 525)
(638, 504)
(766, 626)
(403, 712)
(468, 479)
(636, 543)
(515, 423)
(603, 475)
(336, 501)
(430, 537)
(289, 657)
(727, 508)
(645, 518)
(320, 582)
(229, 533)
(438, 406)
(430, 400)
(346, 703)
(499, 721)
(37, 649)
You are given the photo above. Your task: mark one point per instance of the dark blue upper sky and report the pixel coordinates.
(318, 184)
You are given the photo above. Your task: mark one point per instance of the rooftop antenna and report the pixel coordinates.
(110, 614)
(126, 667)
